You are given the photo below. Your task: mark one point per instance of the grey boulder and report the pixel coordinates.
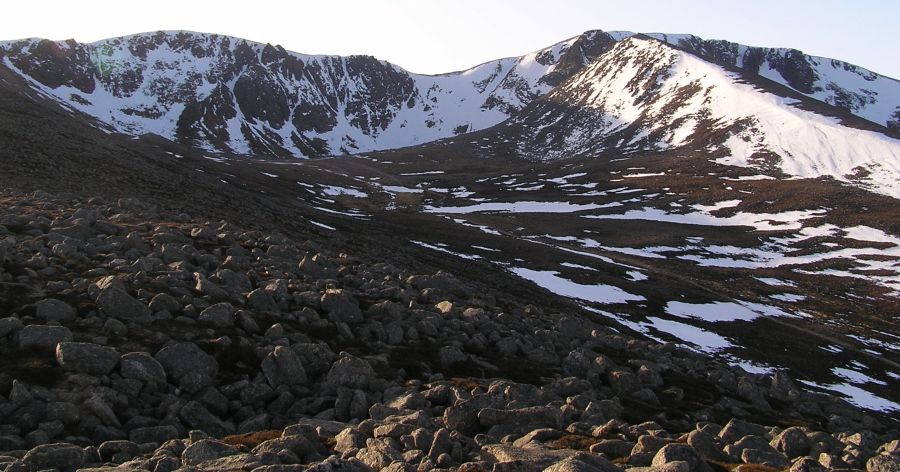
(792, 442)
(283, 367)
(206, 450)
(44, 338)
(582, 462)
(677, 452)
(54, 456)
(315, 358)
(9, 325)
(86, 358)
(153, 434)
(142, 366)
(351, 372)
(188, 365)
(118, 451)
(197, 416)
(261, 300)
(220, 315)
(341, 307)
(883, 463)
(51, 309)
(115, 302)
(165, 302)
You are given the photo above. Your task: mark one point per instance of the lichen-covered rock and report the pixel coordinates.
(51, 309)
(283, 367)
(153, 434)
(766, 457)
(612, 448)
(188, 365)
(351, 372)
(680, 453)
(118, 451)
(582, 462)
(737, 429)
(297, 445)
(165, 302)
(198, 417)
(522, 418)
(9, 325)
(206, 450)
(220, 315)
(261, 300)
(54, 456)
(518, 458)
(316, 358)
(883, 463)
(114, 301)
(709, 447)
(86, 358)
(142, 366)
(792, 442)
(44, 338)
(341, 306)
(806, 464)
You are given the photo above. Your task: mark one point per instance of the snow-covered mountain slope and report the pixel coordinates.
(864, 93)
(231, 96)
(235, 96)
(647, 95)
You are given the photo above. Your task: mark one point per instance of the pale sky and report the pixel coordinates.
(435, 36)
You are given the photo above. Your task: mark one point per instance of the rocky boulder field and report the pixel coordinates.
(141, 338)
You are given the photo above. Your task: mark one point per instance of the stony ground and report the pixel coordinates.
(140, 338)
(842, 338)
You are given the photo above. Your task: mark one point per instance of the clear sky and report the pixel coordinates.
(434, 36)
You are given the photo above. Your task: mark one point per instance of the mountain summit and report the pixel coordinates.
(645, 94)
(232, 96)
(624, 250)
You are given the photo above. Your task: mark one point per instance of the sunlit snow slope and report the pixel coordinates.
(644, 95)
(230, 95)
(864, 93)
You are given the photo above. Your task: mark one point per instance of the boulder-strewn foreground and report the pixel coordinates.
(134, 338)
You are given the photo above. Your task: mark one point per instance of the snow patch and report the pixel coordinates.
(322, 225)
(790, 220)
(516, 207)
(605, 294)
(334, 191)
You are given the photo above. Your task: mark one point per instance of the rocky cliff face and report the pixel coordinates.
(229, 95)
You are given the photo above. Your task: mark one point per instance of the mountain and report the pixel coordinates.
(645, 94)
(847, 86)
(656, 260)
(231, 96)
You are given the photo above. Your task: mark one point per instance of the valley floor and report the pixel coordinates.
(434, 308)
(144, 338)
